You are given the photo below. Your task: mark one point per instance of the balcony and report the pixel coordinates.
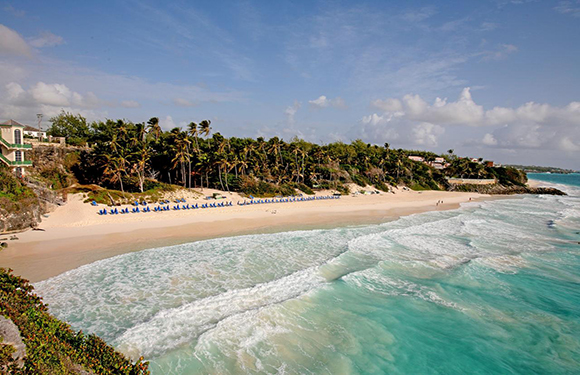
(10, 163)
(13, 146)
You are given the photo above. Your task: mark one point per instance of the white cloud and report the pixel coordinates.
(566, 144)
(323, 102)
(426, 134)
(49, 99)
(489, 140)
(53, 94)
(290, 111)
(11, 43)
(529, 126)
(46, 39)
(130, 104)
(388, 105)
(373, 119)
(181, 102)
(167, 123)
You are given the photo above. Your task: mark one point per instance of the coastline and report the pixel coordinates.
(74, 235)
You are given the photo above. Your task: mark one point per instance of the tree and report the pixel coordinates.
(114, 169)
(154, 127)
(73, 127)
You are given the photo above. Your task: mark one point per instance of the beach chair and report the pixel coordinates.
(94, 203)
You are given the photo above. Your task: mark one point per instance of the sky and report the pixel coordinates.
(496, 79)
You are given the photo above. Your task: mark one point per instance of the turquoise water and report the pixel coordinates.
(568, 179)
(493, 287)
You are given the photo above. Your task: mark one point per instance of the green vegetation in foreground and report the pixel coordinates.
(52, 347)
(538, 169)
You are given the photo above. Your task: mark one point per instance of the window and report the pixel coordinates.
(18, 155)
(17, 137)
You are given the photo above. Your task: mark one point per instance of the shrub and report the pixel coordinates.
(360, 180)
(51, 345)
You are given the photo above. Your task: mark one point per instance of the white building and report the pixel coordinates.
(13, 147)
(34, 132)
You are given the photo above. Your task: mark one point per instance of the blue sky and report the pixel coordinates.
(496, 79)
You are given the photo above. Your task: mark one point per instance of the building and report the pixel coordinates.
(438, 163)
(34, 132)
(417, 158)
(13, 147)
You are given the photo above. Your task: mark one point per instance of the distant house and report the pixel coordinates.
(34, 132)
(417, 158)
(13, 147)
(438, 163)
(489, 164)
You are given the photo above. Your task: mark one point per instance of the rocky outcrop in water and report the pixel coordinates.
(498, 189)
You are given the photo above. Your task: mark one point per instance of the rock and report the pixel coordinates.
(498, 189)
(10, 334)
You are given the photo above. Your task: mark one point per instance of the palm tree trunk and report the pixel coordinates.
(121, 182)
(220, 174)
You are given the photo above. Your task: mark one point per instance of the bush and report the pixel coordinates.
(250, 186)
(382, 186)
(51, 345)
(360, 180)
(13, 193)
(304, 188)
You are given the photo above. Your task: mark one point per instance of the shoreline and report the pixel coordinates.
(75, 235)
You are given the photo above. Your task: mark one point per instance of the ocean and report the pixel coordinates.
(490, 288)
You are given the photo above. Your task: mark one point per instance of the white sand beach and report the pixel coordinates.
(74, 234)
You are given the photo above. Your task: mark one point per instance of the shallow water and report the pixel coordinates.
(493, 287)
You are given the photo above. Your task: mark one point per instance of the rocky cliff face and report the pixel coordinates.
(19, 208)
(27, 213)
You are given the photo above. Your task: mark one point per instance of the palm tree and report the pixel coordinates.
(142, 155)
(181, 151)
(114, 169)
(154, 127)
(205, 128)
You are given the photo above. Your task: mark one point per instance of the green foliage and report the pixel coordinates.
(56, 178)
(73, 127)
(13, 193)
(250, 186)
(52, 346)
(6, 352)
(360, 180)
(155, 192)
(125, 155)
(510, 176)
(304, 188)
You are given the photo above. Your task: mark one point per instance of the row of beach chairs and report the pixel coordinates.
(285, 200)
(166, 206)
(116, 211)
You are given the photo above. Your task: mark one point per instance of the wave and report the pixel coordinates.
(188, 297)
